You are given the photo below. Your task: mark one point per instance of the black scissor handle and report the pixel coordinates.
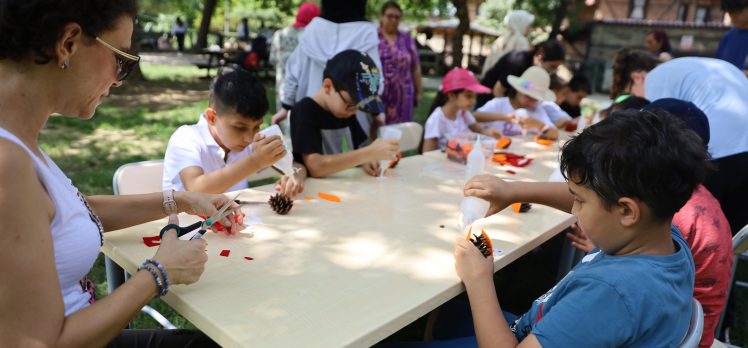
(181, 231)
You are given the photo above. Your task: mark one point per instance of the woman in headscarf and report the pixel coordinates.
(519, 23)
(403, 88)
(285, 41)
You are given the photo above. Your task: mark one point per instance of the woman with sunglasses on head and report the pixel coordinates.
(63, 57)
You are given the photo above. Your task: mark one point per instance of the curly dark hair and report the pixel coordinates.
(650, 156)
(733, 5)
(237, 90)
(33, 26)
(626, 62)
(391, 4)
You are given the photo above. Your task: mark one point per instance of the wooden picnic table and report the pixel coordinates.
(346, 273)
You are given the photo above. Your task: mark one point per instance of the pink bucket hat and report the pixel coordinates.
(459, 78)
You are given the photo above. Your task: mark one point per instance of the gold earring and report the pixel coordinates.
(65, 65)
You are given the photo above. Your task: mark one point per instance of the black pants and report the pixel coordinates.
(729, 184)
(156, 338)
(180, 41)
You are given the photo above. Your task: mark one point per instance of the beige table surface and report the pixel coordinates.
(350, 273)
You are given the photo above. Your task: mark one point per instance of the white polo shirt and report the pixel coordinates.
(193, 146)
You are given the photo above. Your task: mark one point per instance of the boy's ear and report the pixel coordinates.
(327, 86)
(637, 77)
(629, 211)
(210, 115)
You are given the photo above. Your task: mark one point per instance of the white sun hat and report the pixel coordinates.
(534, 82)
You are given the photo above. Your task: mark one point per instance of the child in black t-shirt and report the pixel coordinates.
(326, 136)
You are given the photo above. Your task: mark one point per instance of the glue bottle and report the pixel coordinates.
(473, 208)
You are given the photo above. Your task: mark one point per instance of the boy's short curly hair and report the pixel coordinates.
(33, 26)
(650, 156)
(237, 90)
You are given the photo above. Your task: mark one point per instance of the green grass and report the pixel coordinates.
(127, 131)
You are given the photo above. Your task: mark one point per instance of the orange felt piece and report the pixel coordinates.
(307, 198)
(517, 207)
(503, 143)
(542, 141)
(329, 197)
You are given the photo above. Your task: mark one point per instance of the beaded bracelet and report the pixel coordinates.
(148, 267)
(163, 274)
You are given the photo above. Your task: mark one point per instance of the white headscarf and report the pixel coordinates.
(516, 22)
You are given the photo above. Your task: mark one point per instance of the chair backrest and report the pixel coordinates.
(740, 241)
(693, 335)
(138, 177)
(412, 134)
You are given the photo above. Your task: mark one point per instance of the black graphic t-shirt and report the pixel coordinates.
(316, 130)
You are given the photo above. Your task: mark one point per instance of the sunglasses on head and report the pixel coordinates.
(125, 61)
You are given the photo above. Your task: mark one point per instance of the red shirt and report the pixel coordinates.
(707, 231)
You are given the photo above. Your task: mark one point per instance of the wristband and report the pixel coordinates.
(159, 284)
(163, 274)
(170, 205)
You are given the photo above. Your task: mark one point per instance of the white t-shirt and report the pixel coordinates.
(440, 127)
(554, 112)
(193, 146)
(504, 106)
(718, 88)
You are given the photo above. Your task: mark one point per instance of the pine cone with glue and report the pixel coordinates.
(280, 203)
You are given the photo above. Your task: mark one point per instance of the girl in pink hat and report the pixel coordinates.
(450, 112)
(529, 91)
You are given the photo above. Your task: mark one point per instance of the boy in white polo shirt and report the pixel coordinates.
(218, 153)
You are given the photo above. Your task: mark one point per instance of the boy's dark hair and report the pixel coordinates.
(551, 50)
(650, 156)
(33, 26)
(733, 5)
(626, 62)
(237, 90)
(557, 83)
(580, 83)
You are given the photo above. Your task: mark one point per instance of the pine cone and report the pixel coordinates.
(280, 203)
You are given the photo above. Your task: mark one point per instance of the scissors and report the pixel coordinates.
(202, 225)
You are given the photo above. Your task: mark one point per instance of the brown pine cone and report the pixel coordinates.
(280, 203)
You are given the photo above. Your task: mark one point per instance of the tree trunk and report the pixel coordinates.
(462, 27)
(559, 17)
(202, 33)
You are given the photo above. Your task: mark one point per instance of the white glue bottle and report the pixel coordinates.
(473, 208)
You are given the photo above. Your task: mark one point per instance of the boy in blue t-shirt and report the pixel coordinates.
(629, 175)
(734, 45)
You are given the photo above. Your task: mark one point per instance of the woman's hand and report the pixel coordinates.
(197, 203)
(184, 260)
(371, 168)
(470, 264)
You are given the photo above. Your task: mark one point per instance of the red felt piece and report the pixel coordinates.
(248, 258)
(225, 252)
(511, 171)
(152, 241)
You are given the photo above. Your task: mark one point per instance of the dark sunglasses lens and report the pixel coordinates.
(127, 67)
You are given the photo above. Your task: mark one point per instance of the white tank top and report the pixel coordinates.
(75, 234)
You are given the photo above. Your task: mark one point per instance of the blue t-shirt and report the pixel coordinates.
(616, 301)
(734, 48)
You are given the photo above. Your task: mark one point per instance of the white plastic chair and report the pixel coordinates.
(693, 335)
(131, 179)
(412, 134)
(739, 247)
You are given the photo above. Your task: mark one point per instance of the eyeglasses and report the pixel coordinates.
(125, 61)
(348, 105)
